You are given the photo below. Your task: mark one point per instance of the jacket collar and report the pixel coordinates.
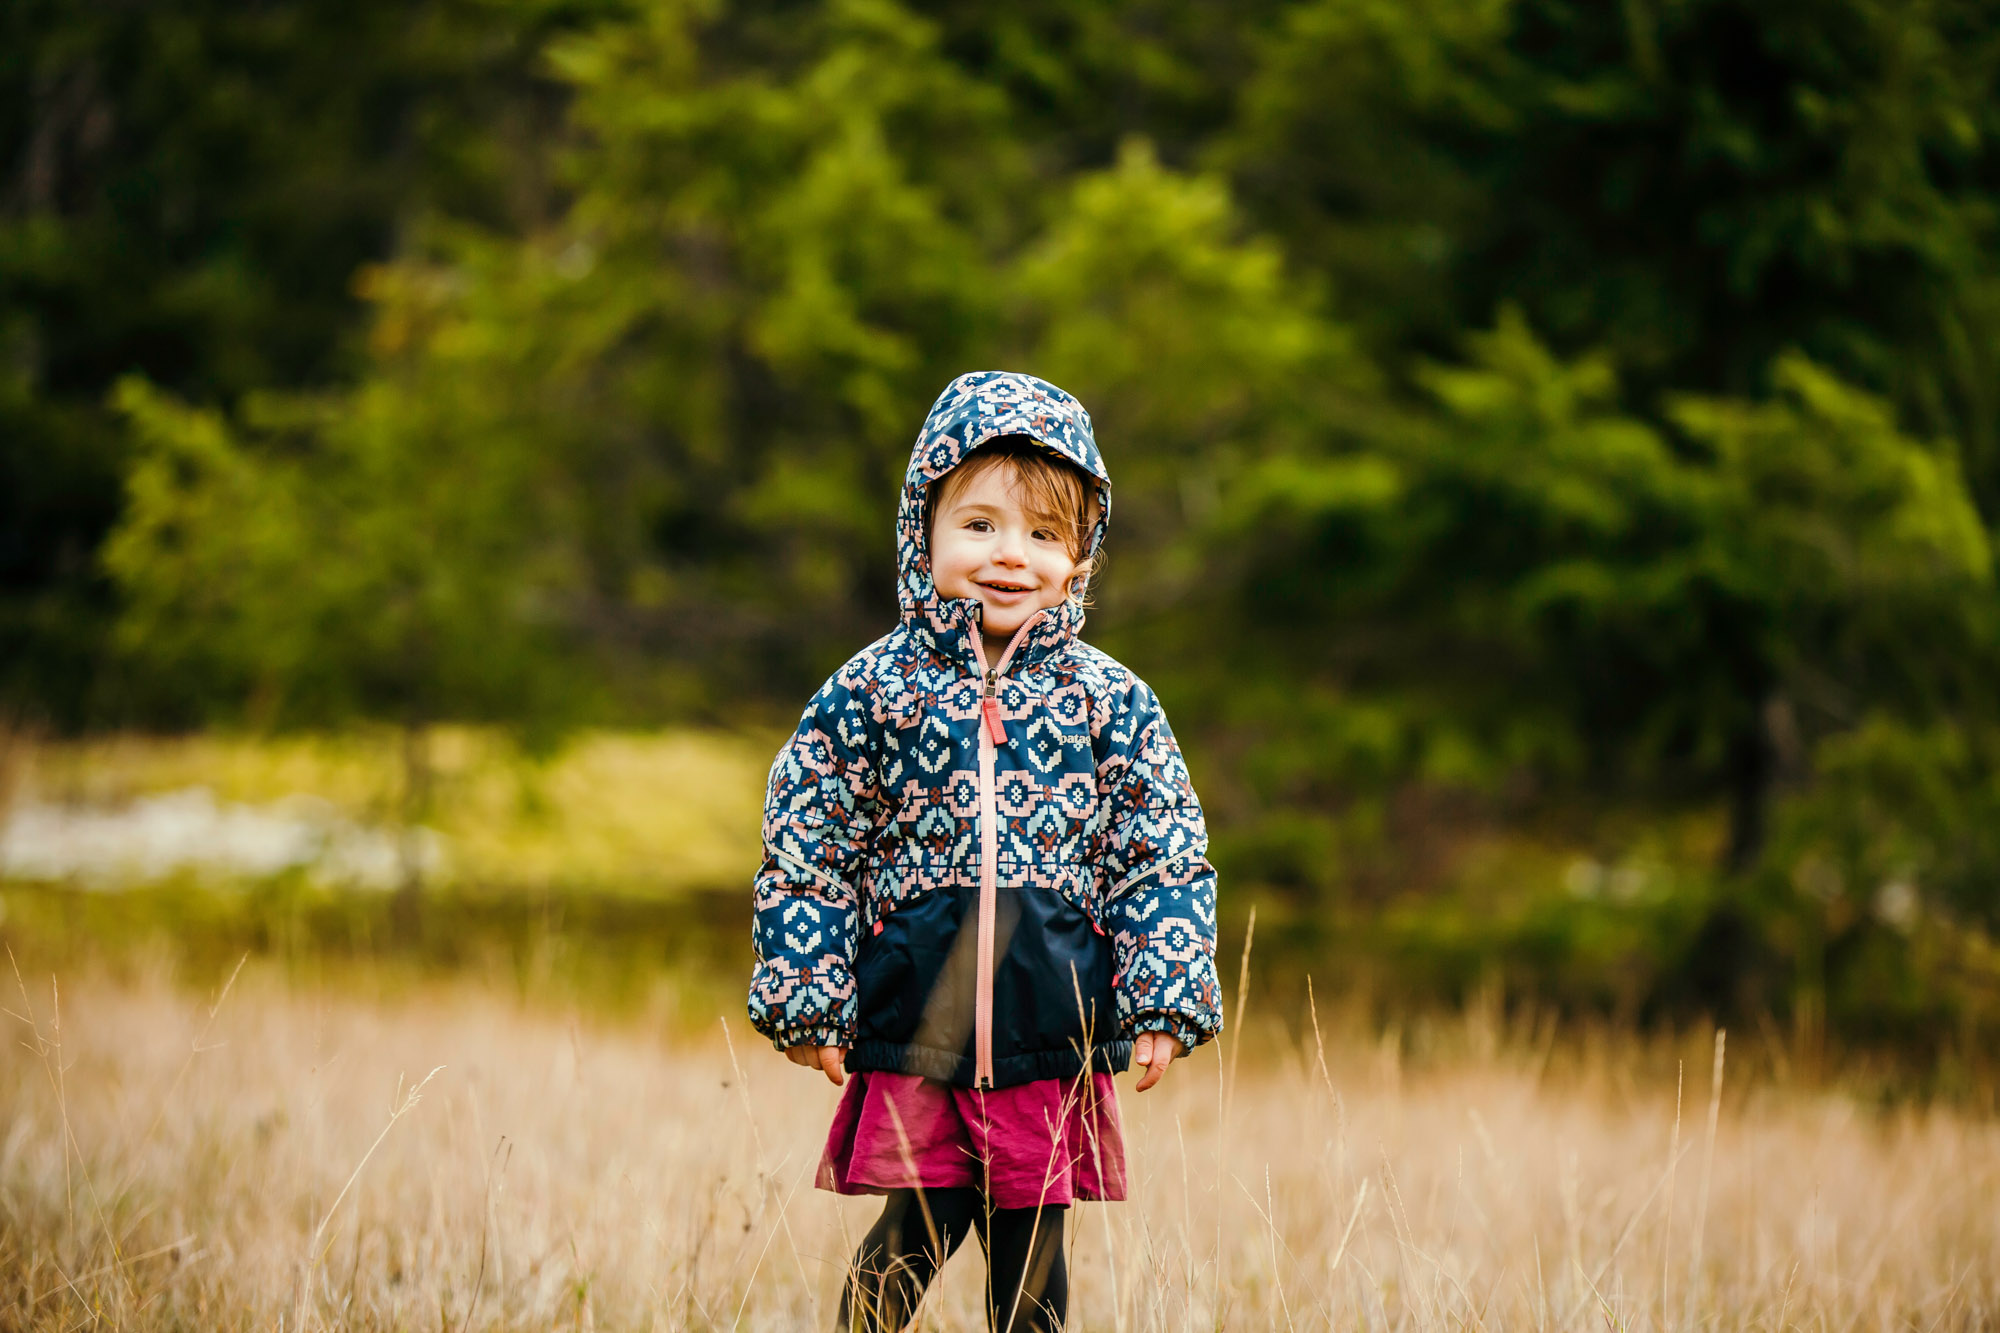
(973, 409)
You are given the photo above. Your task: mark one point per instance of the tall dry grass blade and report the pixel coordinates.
(1087, 1019)
(1225, 1074)
(1625, 1232)
(1326, 1079)
(485, 1235)
(1474, 1309)
(1242, 1001)
(1340, 1250)
(763, 1160)
(1319, 1042)
(1399, 1222)
(495, 1189)
(1266, 1215)
(402, 1108)
(1707, 1170)
(1785, 1307)
(50, 1052)
(1541, 1290)
(784, 1210)
(153, 1253)
(41, 1050)
(195, 1048)
(1277, 1272)
(1187, 1214)
(1667, 1220)
(1610, 1313)
(1567, 1184)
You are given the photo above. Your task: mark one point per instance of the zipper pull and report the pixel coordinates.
(989, 709)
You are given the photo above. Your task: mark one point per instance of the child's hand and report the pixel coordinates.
(827, 1058)
(1155, 1050)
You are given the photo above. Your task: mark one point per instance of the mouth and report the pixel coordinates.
(1006, 589)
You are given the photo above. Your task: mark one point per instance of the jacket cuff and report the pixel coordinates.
(1173, 1024)
(812, 1034)
(808, 1003)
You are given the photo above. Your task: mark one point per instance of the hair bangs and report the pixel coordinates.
(1051, 490)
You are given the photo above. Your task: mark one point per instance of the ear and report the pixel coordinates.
(1079, 579)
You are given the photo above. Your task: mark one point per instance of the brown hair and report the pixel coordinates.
(1051, 489)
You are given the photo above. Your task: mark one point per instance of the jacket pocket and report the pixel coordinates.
(1052, 983)
(913, 975)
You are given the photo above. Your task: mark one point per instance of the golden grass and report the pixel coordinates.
(270, 1167)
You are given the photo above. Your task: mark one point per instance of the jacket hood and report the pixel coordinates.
(973, 409)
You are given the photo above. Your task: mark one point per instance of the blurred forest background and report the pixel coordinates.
(1556, 445)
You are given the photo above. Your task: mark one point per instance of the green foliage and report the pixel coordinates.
(186, 192)
(197, 504)
(1524, 582)
(767, 262)
(1901, 820)
(1194, 349)
(1525, 412)
(1694, 187)
(1861, 548)
(405, 552)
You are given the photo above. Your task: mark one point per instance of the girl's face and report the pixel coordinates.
(985, 546)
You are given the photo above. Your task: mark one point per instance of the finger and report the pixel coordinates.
(802, 1055)
(1164, 1050)
(1155, 1066)
(1142, 1049)
(833, 1060)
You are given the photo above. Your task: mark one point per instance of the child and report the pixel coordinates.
(985, 885)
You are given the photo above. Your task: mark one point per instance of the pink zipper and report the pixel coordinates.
(992, 735)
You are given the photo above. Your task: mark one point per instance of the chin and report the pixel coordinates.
(1002, 621)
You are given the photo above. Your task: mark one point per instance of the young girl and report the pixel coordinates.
(985, 886)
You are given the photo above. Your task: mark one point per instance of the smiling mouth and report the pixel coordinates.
(1006, 587)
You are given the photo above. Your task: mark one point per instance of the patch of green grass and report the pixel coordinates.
(636, 813)
(608, 952)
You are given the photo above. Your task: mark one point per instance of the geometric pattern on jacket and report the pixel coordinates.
(873, 802)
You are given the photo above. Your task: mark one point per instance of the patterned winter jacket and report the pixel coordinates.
(981, 860)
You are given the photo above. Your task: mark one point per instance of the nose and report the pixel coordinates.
(1012, 548)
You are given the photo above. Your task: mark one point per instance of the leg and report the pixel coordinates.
(899, 1256)
(1027, 1279)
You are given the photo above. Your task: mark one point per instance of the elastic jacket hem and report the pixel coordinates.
(1110, 1057)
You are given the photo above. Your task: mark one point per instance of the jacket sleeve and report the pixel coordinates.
(820, 810)
(1159, 899)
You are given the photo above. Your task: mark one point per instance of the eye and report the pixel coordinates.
(979, 525)
(1045, 535)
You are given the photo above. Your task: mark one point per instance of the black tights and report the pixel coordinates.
(1027, 1283)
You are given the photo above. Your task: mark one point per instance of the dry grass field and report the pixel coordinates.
(432, 1157)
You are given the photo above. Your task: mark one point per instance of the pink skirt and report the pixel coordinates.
(1053, 1141)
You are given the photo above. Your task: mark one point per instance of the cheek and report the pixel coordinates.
(950, 562)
